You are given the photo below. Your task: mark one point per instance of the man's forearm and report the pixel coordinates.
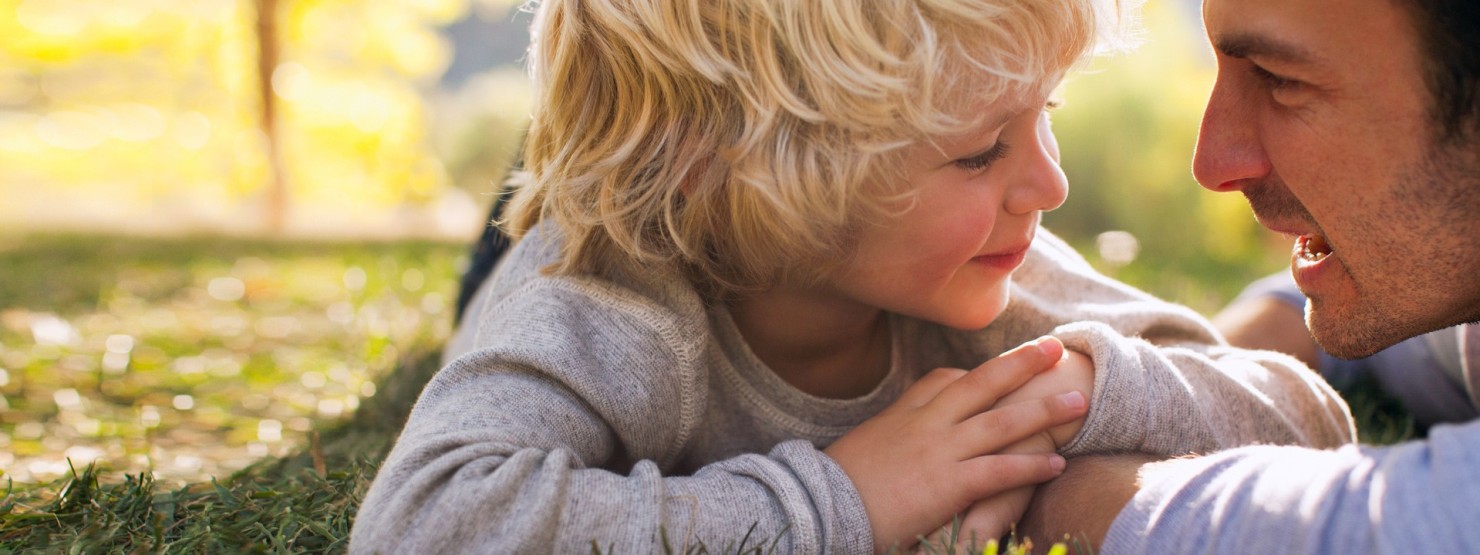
(1082, 503)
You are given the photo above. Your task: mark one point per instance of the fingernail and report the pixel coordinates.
(1042, 344)
(1072, 399)
(1057, 463)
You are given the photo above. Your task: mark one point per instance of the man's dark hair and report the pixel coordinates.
(1449, 36)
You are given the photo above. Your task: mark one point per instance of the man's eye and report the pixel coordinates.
(1273, 81)
(984, 160)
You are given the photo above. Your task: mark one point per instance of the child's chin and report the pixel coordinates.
(968, 324)
(977, 317)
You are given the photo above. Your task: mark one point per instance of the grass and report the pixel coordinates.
(155, 364)
(303, 502)
(195, 357)
(133, 370)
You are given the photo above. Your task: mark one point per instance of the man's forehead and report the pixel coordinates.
(1312, 32)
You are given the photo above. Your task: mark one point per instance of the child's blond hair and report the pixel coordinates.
(743, 140)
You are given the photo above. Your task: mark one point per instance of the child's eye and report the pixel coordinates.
(982, 161)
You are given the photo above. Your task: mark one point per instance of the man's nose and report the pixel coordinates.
(1229, 151)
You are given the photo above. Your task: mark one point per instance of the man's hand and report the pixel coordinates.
(1082, 503)
(936, 449)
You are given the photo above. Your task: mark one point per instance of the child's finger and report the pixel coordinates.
(983, 386)
(995, 429)
(990, 475)
(927, 387)
(992, 517)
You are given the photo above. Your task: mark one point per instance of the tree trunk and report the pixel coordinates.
(267, 62)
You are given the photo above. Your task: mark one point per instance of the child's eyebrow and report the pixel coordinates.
(995, 122)
(1006, 108)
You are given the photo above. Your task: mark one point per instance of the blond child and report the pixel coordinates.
(779, 277)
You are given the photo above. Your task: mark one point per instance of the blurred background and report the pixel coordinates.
(224, 222)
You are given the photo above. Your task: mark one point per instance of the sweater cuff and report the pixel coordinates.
(843, 523)
(1117, 409)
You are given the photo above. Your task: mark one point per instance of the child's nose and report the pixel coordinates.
(1041, 186)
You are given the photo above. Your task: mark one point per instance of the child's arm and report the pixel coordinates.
(566, 435)
(567, 428)
(498, 456)
(1165, 381)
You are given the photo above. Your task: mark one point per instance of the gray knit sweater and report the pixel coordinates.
(616, 412)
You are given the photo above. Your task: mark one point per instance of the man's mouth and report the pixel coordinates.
(1312, 248)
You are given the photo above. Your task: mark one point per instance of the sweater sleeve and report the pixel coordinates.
(1165, 381)
(1417, 497)
(557, 438)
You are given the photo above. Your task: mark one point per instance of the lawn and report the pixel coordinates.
(169, 361)
(213, 394)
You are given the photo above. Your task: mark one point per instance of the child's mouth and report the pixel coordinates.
(1007, 261)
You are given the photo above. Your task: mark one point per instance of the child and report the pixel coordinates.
(1424, 374)
(760, 242)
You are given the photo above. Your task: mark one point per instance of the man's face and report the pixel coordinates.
(1319, 116)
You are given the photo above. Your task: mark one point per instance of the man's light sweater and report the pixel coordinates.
(1416, 497)
(613, 412)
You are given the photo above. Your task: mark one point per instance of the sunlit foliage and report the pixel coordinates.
(128, 106)
(1126, 131)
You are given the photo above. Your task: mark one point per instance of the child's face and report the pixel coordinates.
(949, 258)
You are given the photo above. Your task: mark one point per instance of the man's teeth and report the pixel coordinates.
(1313, 247)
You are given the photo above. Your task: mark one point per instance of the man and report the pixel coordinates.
(1354, 127)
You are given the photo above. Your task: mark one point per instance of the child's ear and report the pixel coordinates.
(693, 178)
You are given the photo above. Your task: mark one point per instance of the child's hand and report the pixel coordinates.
(935, 450)
(992, 517)
(1074, 372)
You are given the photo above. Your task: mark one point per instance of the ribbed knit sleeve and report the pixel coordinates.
(1165, 381)
(559, 432)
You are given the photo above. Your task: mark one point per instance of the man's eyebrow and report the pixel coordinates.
(1244, 46)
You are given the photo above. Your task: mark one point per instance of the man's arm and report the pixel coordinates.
(1417, 497)
(1078, 507)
